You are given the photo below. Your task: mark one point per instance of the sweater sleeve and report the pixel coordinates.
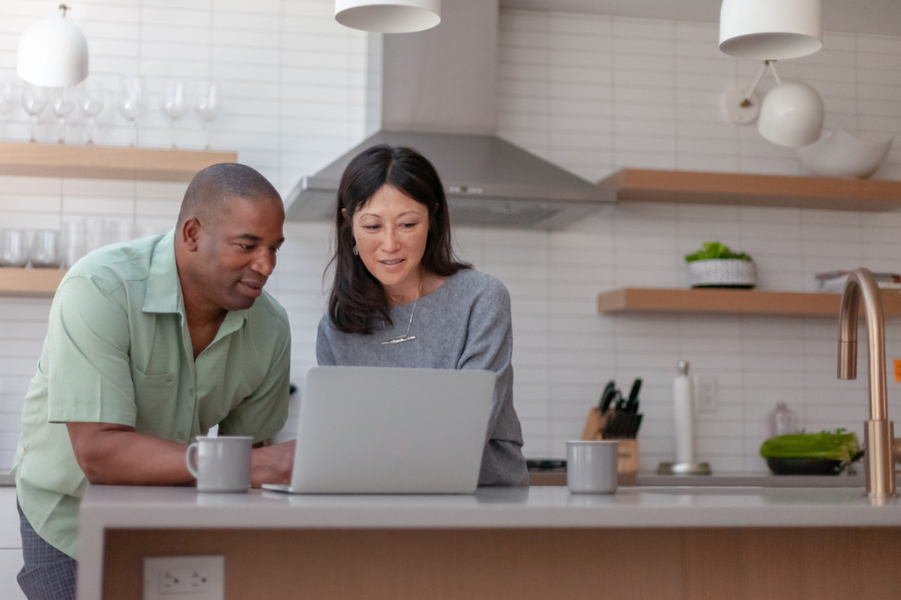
(489, 346)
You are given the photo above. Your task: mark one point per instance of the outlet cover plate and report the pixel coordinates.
(184, 578)
(705, 399)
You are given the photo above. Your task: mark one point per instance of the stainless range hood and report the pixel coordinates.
(438, 95)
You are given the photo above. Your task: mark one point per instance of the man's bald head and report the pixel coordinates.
(206, 198)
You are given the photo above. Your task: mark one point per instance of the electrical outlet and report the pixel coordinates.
(184, 578)
(705, 394)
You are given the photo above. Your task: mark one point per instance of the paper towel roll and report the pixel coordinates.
(683, 415)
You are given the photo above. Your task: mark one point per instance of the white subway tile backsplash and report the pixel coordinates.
(587, 92)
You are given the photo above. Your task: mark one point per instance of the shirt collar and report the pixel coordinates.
(163, 293)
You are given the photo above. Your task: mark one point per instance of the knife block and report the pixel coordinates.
(627, 449)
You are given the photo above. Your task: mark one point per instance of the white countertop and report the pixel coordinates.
(536, 507)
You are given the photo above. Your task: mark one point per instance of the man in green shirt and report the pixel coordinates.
(150, 344)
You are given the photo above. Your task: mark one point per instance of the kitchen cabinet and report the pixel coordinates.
(649, 185)
(106, 162)
(34, 283)
(727, 301)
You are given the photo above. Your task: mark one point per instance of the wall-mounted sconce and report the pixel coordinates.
(771, 29)
(791, 114)
(53, 52)
(388, 16)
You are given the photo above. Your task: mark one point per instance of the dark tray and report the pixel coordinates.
(805, 466)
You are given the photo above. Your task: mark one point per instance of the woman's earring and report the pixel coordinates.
(356, 252)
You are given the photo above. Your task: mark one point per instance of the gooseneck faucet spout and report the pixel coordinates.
(879, 433)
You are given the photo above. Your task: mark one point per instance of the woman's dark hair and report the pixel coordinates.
(357, 300)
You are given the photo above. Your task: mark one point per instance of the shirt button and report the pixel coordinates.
(181, 435)
(190, 390)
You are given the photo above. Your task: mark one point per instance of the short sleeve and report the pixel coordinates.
(89, 369)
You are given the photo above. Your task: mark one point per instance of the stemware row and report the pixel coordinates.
(91, 98)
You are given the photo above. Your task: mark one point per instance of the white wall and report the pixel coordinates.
(590, 93)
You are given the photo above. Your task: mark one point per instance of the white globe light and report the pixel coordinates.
(52, 53)
(792, 114)
(771, 29)
(388, 16)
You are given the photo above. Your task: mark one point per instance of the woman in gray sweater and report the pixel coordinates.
(400, 299)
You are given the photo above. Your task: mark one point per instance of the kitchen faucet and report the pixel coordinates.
(879, 439)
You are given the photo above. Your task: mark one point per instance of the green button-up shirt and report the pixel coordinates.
(118, 351)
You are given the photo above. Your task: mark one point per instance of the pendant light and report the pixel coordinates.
(771, 29)
(53, 52)
(388, 16)
(791, 114)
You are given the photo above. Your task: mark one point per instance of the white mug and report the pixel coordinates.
(221, 464)
(591, 466)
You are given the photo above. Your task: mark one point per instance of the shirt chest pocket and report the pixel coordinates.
(156, 400)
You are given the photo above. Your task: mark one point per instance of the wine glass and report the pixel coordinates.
(34, 101)
(174, 105)
(207, 105)
(9, 97)
(131, 103)
(63, 105)
(91, 101)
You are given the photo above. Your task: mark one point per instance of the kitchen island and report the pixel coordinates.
(539, 542)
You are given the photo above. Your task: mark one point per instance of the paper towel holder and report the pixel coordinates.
(692, 467)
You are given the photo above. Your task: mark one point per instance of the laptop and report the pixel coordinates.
(381, 430)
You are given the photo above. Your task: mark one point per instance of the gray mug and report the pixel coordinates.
(591, 466)
(221, 464)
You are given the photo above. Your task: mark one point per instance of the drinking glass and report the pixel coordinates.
(34, 101)
(13, 248)
(72, 242)
(63, 105)
(207, 105)
(45, 249)
(174, 105)
(94, 234)
(131, 103)
(116, 231)
(91, 101)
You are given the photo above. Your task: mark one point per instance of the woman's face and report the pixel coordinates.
(390, 231)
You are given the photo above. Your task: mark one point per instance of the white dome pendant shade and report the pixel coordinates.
(53, 53)
(792, 115)
(388, 16)
(771, 29)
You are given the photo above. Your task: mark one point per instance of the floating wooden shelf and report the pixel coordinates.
(726, 301)
(752, 190)
(105, 162)
(34, 283)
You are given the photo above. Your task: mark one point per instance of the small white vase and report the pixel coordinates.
(722, 272)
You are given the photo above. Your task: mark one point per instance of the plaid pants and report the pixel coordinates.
(48, 574)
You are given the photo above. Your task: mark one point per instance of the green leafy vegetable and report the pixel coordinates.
(712, 250)
(835, 445)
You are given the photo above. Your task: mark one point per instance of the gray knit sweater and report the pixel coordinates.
(464, 324)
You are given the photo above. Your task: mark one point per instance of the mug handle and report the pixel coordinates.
(191, 459)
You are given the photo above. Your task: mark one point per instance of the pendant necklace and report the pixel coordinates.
(406, 337)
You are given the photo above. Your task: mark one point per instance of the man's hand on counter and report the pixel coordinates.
(272, 464)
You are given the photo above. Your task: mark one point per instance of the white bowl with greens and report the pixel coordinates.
(716, 266)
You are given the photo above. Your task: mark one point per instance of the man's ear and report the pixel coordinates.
(190, 233)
